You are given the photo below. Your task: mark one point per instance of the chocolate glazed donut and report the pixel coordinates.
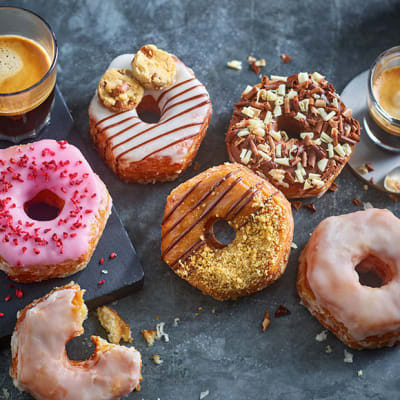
(295, 132)
(258, 213)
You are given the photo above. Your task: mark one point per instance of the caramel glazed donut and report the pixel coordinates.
(328, 282)
(41, 367)
(295, 132)
(260, 216)
(143, 152)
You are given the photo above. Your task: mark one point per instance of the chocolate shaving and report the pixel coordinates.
(369, 167)
(357, 202)
(394, 197)
(196, 166)
(281, 311)
(296, 204)
(347, 140)
(255, 67)
(371, 181)
(333, 187)
(311, 207)
(285, 58)
(312, 159)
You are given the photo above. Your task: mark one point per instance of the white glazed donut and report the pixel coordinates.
(148, 152)
(41, 367)
(329, 286)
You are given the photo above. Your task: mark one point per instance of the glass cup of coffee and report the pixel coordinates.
(28, 58)
(384, 91)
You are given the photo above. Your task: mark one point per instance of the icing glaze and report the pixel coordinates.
(61, 168)
(43, 368)
(335, 248)
(183, 106)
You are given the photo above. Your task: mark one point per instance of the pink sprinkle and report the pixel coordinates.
(73, 234)
(8, 298)
(101, 282)
(113, 255)
(19, 293)
(1, 315)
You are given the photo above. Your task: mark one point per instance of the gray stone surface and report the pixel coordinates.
(225, 352)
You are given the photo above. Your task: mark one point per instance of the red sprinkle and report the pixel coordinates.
(101, 261)
(113, 255)
(1, 315)
(19, 293)
(37, 251)
(8, 298)
(101, 282)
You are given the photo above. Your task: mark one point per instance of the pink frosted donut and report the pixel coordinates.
(53, 209)
(41, 367)
(144, 152)
(329, 284)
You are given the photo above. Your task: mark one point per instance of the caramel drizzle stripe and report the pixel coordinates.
(110, 116)
(205, 195)
(174, 87)
(205, 212)
(157, 125)
(116, 124)
(184, 197)
(165, 134)
(180, 94)
(199, 96)
(244, 195)
(187, 253)
(169, 145)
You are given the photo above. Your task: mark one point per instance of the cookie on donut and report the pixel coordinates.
(260, 216)
(294, 131)
(154, 68)
(328, 282)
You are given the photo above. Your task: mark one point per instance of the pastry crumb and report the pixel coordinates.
(360, 372)
(266, 321)
(157, 360)
(115, 326)
(348, 357)
(328, 349)
(176, 322)
(322, 336)
(293, 245)
(150, 336)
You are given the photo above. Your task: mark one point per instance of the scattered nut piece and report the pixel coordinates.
(322, 336)
(348, 357)
(311, 207)
(357, 202)
(285, 58)
(235, 64)
(281, 311)
(266, 322)
(296, 204)
(150, 336)
(119, 91)
(154, 68)
(157, 360)
(115, 326)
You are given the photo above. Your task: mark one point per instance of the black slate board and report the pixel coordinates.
(125, 273)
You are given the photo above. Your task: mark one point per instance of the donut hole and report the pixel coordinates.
(373, 272)
(80, 348)
(219, 233)
(148, 110)
(290, 125)
(44, 206)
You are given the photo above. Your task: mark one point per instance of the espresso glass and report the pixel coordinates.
(25, 113)
(386, 60)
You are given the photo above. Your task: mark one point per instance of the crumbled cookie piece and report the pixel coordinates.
(115, 326)
(150, 336)
(285, 58)
(119, 91)
(154, 68)
(266, 321)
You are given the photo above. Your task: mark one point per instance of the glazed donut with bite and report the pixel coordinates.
(159, 150)
(328, 283)
(41, 367)
(293, 131)
(53, 210)
(258, 213)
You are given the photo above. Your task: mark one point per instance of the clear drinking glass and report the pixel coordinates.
(24, 113)
(386, 60)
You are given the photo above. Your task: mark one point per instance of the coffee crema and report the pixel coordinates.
(23, 63)
(386, 89)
